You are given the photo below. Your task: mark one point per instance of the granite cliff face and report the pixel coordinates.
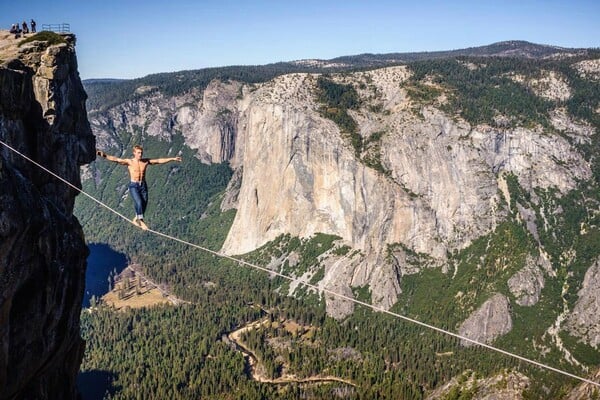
(488, 322)
(42, 248)
(585, 319)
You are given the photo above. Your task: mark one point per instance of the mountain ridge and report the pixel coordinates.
(495, 49)
(508, 48)
(178, 82)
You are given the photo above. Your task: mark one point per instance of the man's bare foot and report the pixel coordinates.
(142, 224)
(135, 221)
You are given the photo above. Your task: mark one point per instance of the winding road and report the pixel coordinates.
(255, 372)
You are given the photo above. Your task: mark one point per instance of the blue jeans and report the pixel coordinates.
(139, 194)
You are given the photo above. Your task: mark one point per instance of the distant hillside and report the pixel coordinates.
(512, 48)
(105, 93)
(103, 80)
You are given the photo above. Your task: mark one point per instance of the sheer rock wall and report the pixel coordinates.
(42, 248)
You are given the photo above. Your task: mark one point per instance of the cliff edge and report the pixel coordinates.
(42, 248)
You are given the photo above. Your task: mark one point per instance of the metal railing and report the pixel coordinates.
(58, 28)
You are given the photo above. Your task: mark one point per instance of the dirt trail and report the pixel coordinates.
(253, 361)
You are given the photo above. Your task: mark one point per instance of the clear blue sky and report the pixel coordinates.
(129, 39)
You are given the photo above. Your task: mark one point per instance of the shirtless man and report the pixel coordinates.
(137, 173)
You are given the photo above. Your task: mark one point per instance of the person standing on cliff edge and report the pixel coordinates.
(137, 173)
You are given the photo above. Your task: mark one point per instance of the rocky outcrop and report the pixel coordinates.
(527, 284)
(338, 279)
(491, 320)
(550, 85)
(584, 321)
(589, 69)
(579, 131)
(585, 390)
(504, 386)
(42, 249)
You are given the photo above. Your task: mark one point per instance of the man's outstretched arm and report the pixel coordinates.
(164, 160)
(100, 153)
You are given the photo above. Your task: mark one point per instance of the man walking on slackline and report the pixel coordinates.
(137, 173)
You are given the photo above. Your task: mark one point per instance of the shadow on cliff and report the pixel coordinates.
(102, 263)
(95, 384)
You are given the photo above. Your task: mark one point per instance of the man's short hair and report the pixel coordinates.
(138, 147)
